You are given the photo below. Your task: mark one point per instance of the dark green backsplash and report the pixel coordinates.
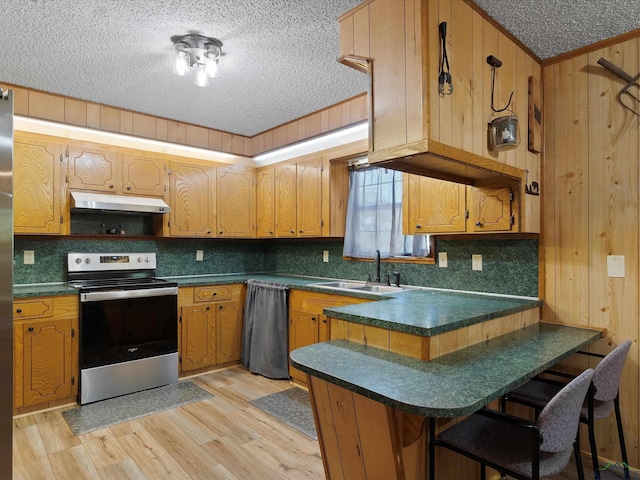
(509, 266)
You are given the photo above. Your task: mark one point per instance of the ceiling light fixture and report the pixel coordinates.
(199, 53)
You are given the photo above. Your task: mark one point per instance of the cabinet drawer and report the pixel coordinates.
(39, 308)
(207, 294)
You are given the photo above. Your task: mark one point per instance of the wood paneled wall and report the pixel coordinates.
(67, 110)
(591, 192)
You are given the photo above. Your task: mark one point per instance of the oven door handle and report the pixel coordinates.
(124, 294)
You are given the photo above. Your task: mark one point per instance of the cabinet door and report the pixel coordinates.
(303, 331)
(490, 209)
(94, 168)
(309, 197)
(38, 187)
(434, 206)
(265, 205)
(286, 208)
(47, 360)
(18, 365)
(198, 337)
(143, 176)
(235, 190)
(193, 210)
(229, 326)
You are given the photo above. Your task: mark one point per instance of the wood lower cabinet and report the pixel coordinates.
(210, 326)
(45, 352)
(39, 188)
(307, 323)
(192, 199)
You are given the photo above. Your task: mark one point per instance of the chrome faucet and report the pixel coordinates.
(377, 266)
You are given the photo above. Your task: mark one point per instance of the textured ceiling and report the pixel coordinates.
(552, 27)
(279, 58)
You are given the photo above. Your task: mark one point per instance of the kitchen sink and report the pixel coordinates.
(360, 287)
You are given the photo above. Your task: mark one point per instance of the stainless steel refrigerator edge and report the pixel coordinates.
(6, 283)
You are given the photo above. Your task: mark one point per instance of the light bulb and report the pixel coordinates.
(211, 64)
(181, 65)
(202, 80)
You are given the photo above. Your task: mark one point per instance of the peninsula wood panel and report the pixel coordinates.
(591, 195)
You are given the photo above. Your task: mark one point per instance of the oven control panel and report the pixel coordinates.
(96, 262)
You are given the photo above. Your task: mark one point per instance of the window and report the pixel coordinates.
(374, 217)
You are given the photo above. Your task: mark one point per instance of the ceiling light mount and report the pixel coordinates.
(198, 53)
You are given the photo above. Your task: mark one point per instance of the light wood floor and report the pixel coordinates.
(221, 438)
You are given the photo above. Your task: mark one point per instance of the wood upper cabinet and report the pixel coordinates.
(443, 136)
(437, 206)
(192, 199)
(309, 195)
(45, 350)
(143, 176)
(236, 200)
(100, 168)
(299, 197)
(39, 188)
(286, 198)
(433, 206)
(94, 167)
(265, 203)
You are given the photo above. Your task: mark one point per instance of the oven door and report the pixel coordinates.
(123, 325)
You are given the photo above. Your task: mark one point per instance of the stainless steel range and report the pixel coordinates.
(128, 324)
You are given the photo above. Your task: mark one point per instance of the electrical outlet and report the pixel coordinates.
(29, 257)
(325, 256)
(442, 260)
(199, 255)
(476, 262)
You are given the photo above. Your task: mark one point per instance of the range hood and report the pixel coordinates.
(118, 203)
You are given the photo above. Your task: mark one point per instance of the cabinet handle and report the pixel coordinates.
(111, 186)
(324, 320)
(220, 307)
(129, 188)
(208, 308)
(313, 318)
(418, 226)
(208, 232)
(221, 232)
(270, 233)
(300, 231)
(215, 293)
(478, 224)
(19, 310)
(293, 231)
(30, 329)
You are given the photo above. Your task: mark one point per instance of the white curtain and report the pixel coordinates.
(374, 217)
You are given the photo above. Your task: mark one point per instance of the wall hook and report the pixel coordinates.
(496, 63)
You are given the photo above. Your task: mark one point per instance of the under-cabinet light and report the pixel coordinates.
(336, 138)
(45, 127)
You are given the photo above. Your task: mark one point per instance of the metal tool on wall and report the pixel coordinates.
(445, 85)
(631, 83)
(504, 133)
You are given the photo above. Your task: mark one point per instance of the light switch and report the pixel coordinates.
(476, 262)
(615, 266)
(29, 257)
(442, 260)
(199, 255)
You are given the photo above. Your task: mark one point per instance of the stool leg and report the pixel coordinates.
(623, 447)
(578, 455)
(594, 449)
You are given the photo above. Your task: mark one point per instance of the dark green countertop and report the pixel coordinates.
(455, 384)
(419, 311)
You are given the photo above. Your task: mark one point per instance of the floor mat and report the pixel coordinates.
(105, 413)
(292, 407)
